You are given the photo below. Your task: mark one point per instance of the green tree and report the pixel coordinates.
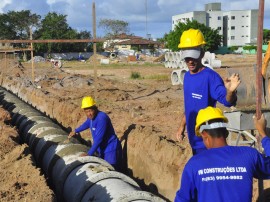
(212, 37)
(113, 27)
(6, 28)
(17, 24)
(54, 26)
(266, 36)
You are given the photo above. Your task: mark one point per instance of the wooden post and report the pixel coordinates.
(32, 57)
(94, 49)
(259, 82)
(5, 60)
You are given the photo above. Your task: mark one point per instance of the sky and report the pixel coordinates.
(144, 17)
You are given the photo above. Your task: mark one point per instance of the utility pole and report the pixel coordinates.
(146, 28)
(94, 48)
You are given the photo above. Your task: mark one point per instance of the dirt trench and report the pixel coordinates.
(20, 179)
(145, 115)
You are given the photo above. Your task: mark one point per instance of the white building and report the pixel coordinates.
(238, 27)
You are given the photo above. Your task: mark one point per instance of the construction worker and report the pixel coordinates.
(223, 173)
(202, 87)
(105, 141)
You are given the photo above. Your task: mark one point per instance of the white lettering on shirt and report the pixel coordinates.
(197, 96)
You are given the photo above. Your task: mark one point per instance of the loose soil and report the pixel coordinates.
(145, 113)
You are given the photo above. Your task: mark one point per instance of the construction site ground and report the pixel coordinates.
(145, 111)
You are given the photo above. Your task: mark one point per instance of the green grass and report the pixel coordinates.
(135, 75)
(158, 77)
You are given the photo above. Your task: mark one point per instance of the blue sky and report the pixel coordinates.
(144, 16)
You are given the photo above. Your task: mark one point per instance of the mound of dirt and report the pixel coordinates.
(20, 179)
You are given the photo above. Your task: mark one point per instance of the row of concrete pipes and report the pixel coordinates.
(73, 178)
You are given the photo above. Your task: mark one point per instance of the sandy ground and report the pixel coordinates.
(137, 107)
(20, 179)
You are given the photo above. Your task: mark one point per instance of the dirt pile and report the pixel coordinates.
(20, 179)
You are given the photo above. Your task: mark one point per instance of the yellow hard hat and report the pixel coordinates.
(207, 114)
(88, 102)
(191, 38)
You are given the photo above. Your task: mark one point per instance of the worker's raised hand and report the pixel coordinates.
(233, 82)
(71, 134)
(260, 125)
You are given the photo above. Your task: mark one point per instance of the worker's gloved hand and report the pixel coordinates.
(71, 134)
(232, 83)
(260, 125)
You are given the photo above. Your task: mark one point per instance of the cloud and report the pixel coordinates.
(153, 15)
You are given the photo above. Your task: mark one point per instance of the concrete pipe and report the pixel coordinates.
(36, 128)
(138, 196)
(167, 64)
(97, 190)
(170, 58)
(77, 177)
(34, 138)
(216, 63)
(65, 165)
(55, 152)
(22, 114)
(175, 75)
(167, 56)
(44, 144)
(31, 119)
(76, 191)
(182, 74)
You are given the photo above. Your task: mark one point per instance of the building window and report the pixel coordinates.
(233, 17)
(232, 37)
(219, 17)
(232, 27)
(243, 26)
(243, 36)
(247, 16)
(247, 26)
(243, 16)
(219, 28)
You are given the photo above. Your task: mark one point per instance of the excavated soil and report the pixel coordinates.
(145, 113)
(20, 179)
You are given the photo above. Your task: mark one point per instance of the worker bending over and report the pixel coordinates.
(223, 172)
(105, 141)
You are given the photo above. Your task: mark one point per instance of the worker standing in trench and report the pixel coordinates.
(202, 87)
(223, 172)
(105, 141)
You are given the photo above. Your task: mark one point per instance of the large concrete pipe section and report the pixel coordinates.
(73, 177)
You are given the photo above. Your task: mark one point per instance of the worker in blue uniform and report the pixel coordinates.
(223, 172)
(202, 87)
(105, 141)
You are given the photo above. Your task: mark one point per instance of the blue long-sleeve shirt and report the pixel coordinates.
(104, 137)
(201, 90)
(216, 174)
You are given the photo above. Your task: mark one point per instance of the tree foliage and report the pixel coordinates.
(17, 25)
(113, 27)
(55, 26)
(266, 36)
(212, 37)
